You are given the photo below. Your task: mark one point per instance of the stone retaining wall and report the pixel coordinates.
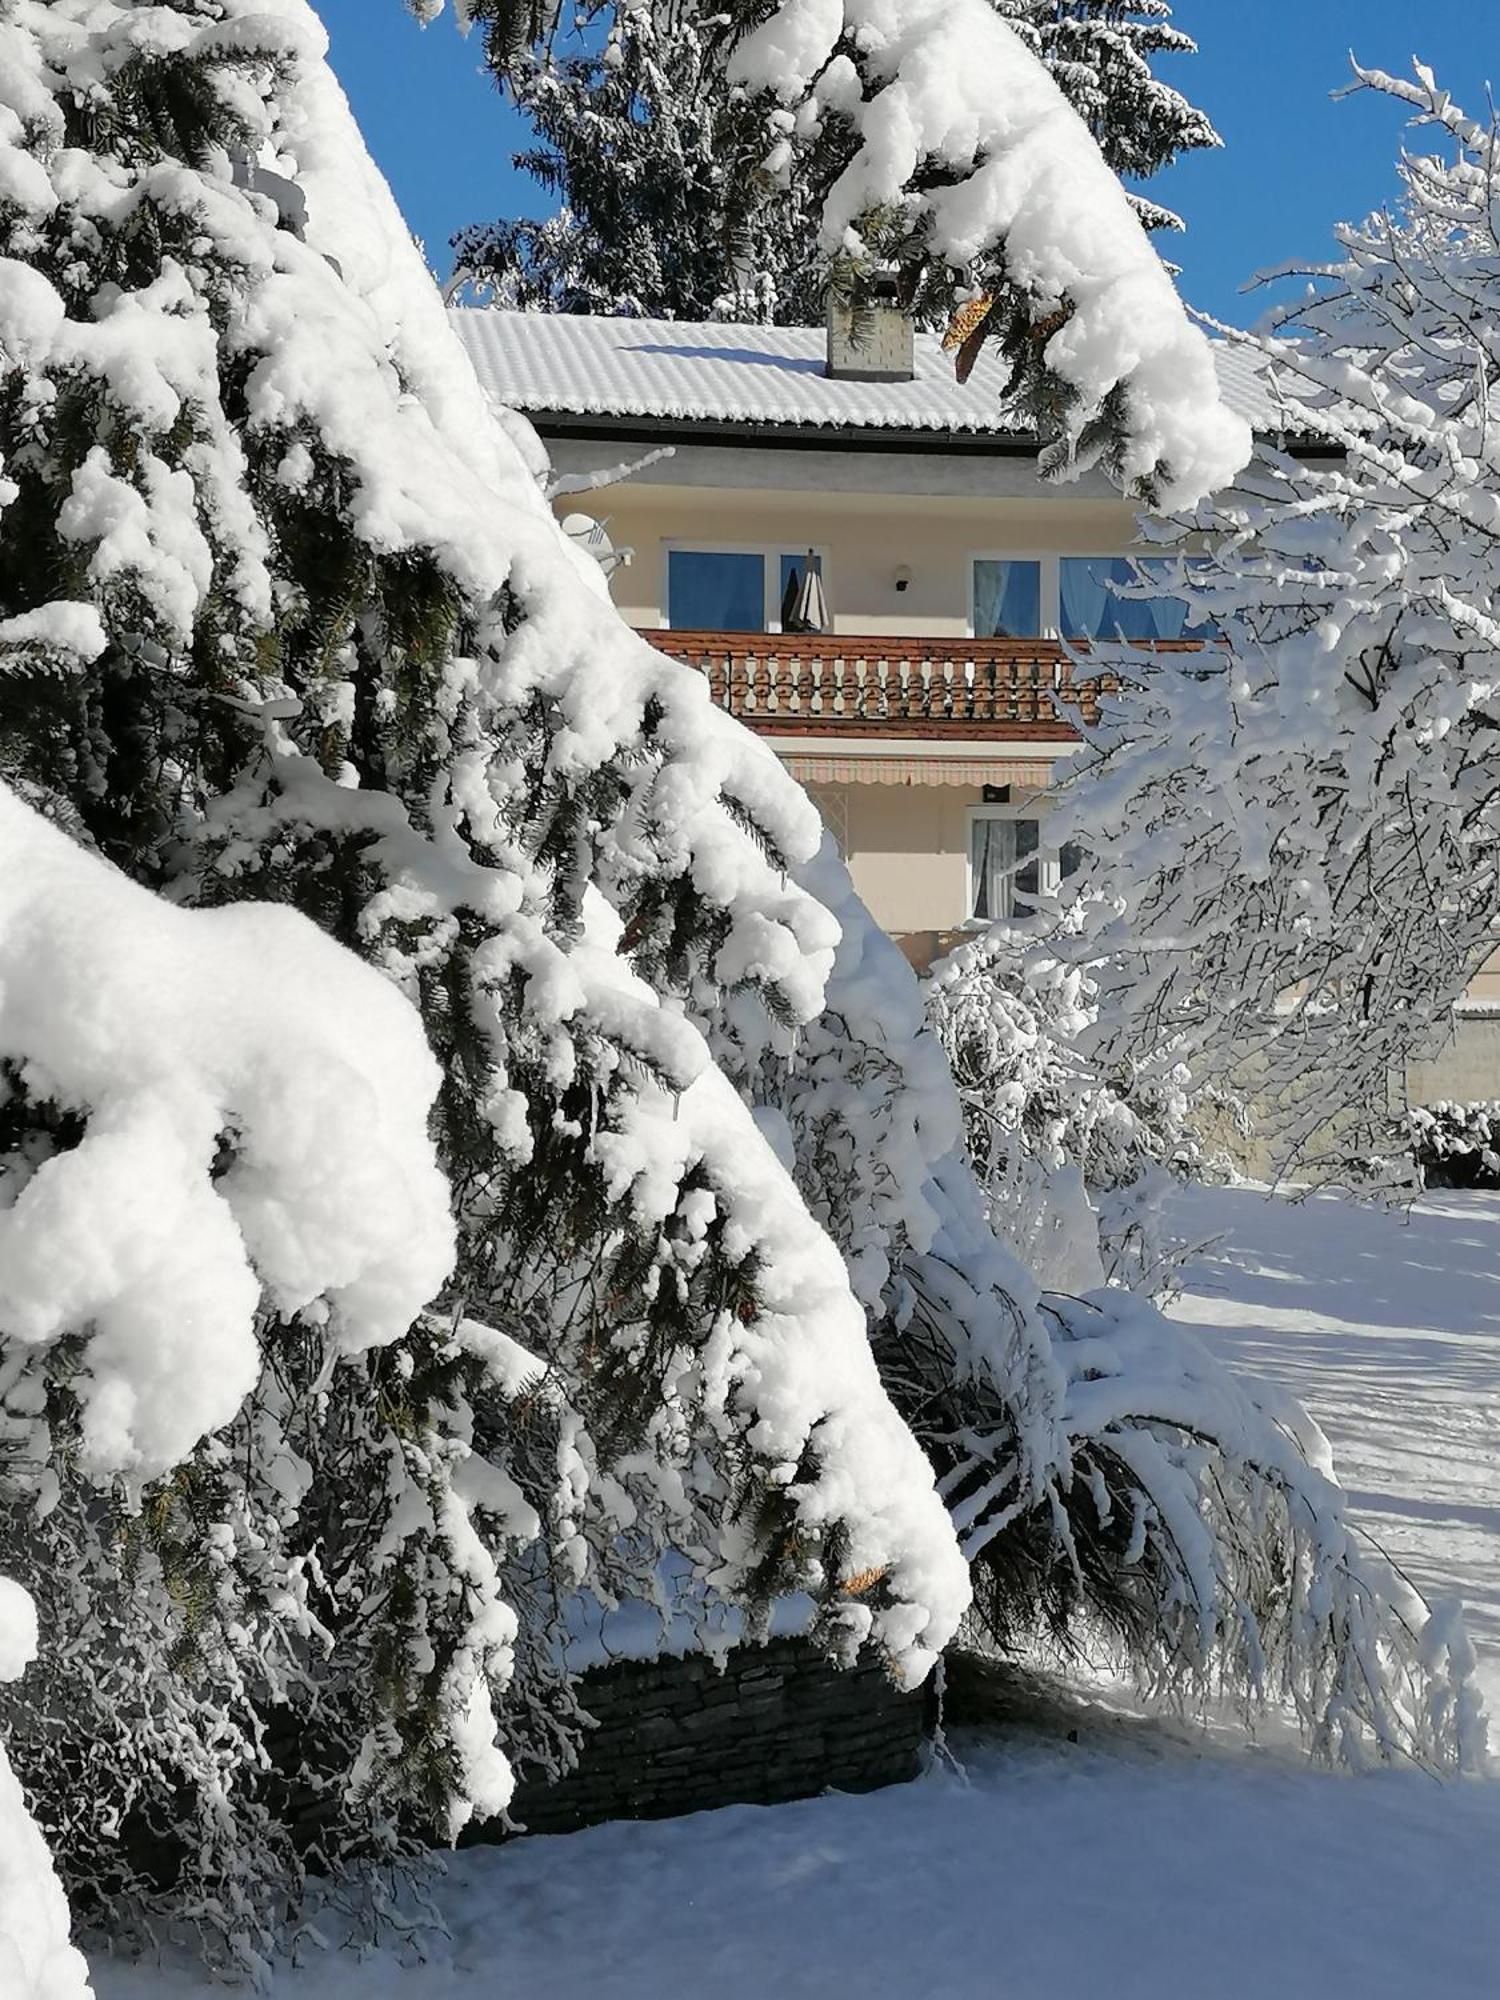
(778, 1722)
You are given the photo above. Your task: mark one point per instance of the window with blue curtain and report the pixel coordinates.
(713, 590)
(1007, 599)
(1093, 606)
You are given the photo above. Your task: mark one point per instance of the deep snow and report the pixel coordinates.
(1146, 1859)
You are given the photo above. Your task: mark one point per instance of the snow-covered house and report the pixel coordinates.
(920, 713)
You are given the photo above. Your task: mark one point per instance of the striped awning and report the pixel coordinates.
(1028, 774)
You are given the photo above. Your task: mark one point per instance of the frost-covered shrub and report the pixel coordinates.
(1075, 1165)
(1292, 835)
(1456, 1145)
(1117, 1489)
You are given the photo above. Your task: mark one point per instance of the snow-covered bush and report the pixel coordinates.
(1075, 1165)
(1292, 835)
(1455, 1145)
(1116, 1488)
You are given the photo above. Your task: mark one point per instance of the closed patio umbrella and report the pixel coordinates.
(804, 608)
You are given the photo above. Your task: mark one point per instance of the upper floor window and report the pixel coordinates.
(1007, 598)
(1078, 597)
(716, 590)
(732, 590)
(1093, 605)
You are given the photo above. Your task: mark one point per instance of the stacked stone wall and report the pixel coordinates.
(776, 1722)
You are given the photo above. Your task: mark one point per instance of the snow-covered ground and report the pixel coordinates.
(1142, 1859)
(1388, 1328)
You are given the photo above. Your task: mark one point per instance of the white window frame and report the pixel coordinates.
(1048, 859)
(1049, 585)
(771, 554)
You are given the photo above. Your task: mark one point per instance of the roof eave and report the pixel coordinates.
(756, 433)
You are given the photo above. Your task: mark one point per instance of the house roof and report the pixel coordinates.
(716, 372)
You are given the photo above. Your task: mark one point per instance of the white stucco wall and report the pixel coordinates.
(868, 513)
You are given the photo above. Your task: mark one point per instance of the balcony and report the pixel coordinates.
(880, 684)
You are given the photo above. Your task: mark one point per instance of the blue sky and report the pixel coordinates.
(1293, 163)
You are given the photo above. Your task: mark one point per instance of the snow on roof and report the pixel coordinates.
(718, 372)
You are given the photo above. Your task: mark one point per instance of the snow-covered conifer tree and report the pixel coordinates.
(284, 615)
(653, 162)
(1293, 836)
(666, 209)
(1101, 53)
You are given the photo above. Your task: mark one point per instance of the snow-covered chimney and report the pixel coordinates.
(871, 342)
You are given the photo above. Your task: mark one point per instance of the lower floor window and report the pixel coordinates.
(1010, 868)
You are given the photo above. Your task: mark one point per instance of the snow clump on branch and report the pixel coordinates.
(969, 140)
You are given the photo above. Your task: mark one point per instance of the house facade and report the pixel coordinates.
(920, 714)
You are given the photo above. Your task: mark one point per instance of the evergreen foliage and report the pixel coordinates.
(282, 615)
(1075, 1165)
(663, 209)
(1101, 53)
(669, 207)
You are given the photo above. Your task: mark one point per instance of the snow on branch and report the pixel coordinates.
(253, 1127)
(1293, 834)
(37, 1959)
(965, 136)
(1094, 1456)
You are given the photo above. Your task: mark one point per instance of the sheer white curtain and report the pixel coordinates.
(1004, 867)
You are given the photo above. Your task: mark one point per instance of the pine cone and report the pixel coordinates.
(967, 331)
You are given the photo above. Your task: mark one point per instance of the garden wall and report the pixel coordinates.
(776, 1722)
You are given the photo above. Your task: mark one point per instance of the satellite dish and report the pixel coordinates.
(593, 537)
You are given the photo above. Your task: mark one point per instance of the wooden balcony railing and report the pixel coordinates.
(795, 683)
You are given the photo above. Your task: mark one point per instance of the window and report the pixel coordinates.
(1007, 598)
(715, 590)
(1010, 866)
(1092, 605)
(1004, 866)
(731, 590)
(1079, 597)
